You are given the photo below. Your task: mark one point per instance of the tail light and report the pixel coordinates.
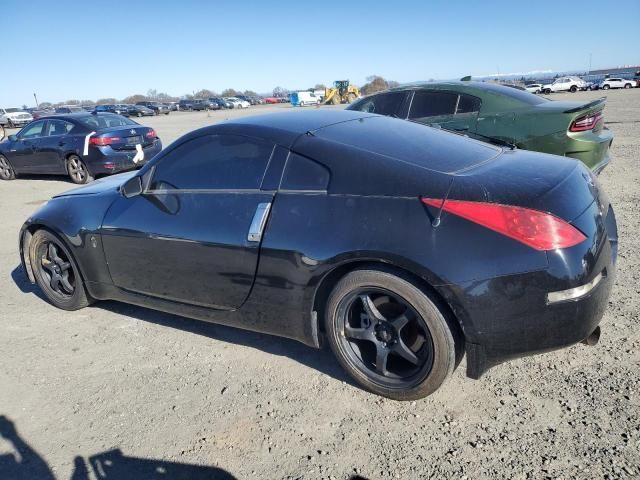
(102, 141)
(151, 134)
(539, 230)
(588, 122)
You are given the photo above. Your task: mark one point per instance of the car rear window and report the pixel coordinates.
(98, 122)
(410, 142)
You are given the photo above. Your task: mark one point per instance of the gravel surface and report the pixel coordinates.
(124, 388)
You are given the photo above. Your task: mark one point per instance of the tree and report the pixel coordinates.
(152, 94)
(376, 83)
(103, 101)
(230, 92)
(87, 102)
(204, 93)
(134, 98)
(250, 93)
(320, 86)
(72, 102)
(45, 105)
(280, 92)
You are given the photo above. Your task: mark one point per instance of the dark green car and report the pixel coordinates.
(502, 115)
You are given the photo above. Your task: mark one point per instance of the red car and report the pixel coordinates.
(272, 100)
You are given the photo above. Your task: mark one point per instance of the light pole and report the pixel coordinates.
(36, 99)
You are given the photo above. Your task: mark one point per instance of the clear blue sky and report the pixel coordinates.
(113, 48)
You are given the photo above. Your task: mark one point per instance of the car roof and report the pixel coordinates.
(285, 127)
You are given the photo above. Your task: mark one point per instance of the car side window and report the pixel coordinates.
(58, 127)
(302, 173)
(31, 131)
(468, 104)
(431, 104)
(214, 162)
(389, 104)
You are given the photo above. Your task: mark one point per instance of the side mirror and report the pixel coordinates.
(132, 187)
(12, 138)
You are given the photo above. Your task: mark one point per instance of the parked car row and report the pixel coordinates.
(574, 84)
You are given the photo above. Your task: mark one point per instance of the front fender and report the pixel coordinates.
(76, 220)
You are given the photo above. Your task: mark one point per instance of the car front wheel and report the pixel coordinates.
(6, 170)
(389, 335)
(606, 87)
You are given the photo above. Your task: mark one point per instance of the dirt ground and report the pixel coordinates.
(117, 392)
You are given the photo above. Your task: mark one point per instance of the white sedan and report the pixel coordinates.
(534, 88)
(237, 103)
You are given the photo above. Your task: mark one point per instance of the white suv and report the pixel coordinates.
(565, 84)
(14, 117)
(608, 83)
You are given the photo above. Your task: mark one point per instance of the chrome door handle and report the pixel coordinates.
(258, 222)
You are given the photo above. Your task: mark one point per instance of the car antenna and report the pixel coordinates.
(436, 220)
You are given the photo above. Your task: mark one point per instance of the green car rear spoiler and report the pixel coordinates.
(587, 105)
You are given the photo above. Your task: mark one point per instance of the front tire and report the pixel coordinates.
(78, 171)
(389, 335)
(627, 85)
(6, 170)
(573, 89)
(56, 272)
(605, 87)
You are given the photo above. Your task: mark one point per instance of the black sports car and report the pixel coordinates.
(81, 145)
(401, 245)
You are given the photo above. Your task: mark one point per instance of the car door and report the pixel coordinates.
(52, 145)
(189, 237)
(23, 154)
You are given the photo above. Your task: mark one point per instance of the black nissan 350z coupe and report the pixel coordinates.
(402, 246)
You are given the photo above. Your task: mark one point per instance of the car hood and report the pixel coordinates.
(105, 184)
(17, 114)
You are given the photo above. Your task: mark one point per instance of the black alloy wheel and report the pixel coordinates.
(6, 170)
(384, 335)
(56, 272)
(389, 335)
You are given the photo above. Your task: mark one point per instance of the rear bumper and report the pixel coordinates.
(105, 160)
(590, 148)
(511, 316)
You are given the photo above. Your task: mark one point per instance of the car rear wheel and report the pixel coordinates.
(56, 271)
(6, 170)
(78, 171)
(10, 123)
(547, 91)
(389, 335)
(627, 85)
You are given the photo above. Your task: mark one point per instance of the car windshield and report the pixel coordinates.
(12, 110)
(99, 122)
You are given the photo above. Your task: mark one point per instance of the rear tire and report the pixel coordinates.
(78, 171)
(547, 91)
(402, 346)
(6, 170)
(627, 85)
(56, 272)
(10, 123)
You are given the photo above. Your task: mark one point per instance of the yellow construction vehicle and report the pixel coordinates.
(341, 92)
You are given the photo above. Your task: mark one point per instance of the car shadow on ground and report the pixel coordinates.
(321, 360)
(24, 463)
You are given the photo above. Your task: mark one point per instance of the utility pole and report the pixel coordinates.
(36, 99)
(590, 54)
